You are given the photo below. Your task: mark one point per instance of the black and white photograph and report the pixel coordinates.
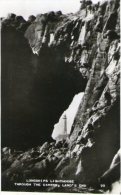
(60, 96)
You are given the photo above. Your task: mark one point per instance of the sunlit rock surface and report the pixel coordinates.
(59, 56)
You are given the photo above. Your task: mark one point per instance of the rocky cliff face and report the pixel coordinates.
(69, 53)
(35, 89)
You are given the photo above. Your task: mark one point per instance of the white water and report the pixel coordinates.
(70, 113)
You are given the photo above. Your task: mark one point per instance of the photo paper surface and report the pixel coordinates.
(60, 96)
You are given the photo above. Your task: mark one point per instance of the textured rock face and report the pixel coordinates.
(80, 52)
(35, 89)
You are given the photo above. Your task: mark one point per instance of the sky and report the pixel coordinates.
(34, 7)
(70, 114)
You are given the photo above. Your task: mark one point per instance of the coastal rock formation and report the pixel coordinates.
(58, 56)
(35, 89)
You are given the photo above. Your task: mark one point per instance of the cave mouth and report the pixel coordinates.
(35, 92)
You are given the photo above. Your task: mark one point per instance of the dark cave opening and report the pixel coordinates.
(35, 91)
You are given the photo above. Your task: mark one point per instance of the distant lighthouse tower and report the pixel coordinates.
(65, 124)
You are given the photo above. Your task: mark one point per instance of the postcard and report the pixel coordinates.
(60, 96)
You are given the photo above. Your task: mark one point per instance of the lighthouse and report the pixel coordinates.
(63, 137)
(65, 124)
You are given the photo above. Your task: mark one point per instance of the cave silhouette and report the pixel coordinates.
(35, 90)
